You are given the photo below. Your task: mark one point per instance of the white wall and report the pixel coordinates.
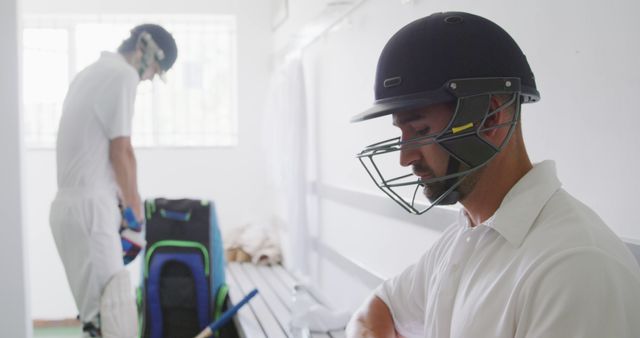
(299, 14)
(232, 177)
(14, 307)
(584, 57)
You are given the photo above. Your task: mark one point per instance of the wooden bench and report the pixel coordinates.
(269, 313)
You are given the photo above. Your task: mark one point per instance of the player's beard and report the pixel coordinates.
(431, 190)
(434, 190)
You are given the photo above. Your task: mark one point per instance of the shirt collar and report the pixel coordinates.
(523, 203)
(112, 55)
(108, 54)
(463, 219)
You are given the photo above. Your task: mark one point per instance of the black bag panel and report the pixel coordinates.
(182, 220)
(177, 288)
(178, 301)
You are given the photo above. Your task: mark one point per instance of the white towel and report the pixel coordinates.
(259, 239)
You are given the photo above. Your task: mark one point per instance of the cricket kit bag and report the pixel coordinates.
(183, 288)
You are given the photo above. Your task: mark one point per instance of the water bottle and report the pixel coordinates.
(302, 303)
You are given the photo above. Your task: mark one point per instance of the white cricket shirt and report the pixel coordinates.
(544, 265)
(98, 108)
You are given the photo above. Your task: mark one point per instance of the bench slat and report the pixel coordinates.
(272, 308)
(269, 323)
(290, 281)
(274, 302)
(284, 276)
(284, 293)
(337, 334)
(245, 320)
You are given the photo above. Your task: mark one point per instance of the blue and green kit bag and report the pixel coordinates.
(183, 286)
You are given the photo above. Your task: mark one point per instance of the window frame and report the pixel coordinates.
(205, 135)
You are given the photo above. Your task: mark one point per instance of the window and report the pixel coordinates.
(196, 107)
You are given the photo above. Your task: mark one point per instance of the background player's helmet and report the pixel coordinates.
(156, 43)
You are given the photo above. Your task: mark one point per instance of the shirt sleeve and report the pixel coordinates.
(115, 104)
(580, 293)
(405, 296)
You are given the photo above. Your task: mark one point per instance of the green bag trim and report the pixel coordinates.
(220, 297)
(140, 310)
(182, 244)
(150, 207)
(139, 296)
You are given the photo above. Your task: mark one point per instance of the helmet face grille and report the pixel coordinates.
(462, 140)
